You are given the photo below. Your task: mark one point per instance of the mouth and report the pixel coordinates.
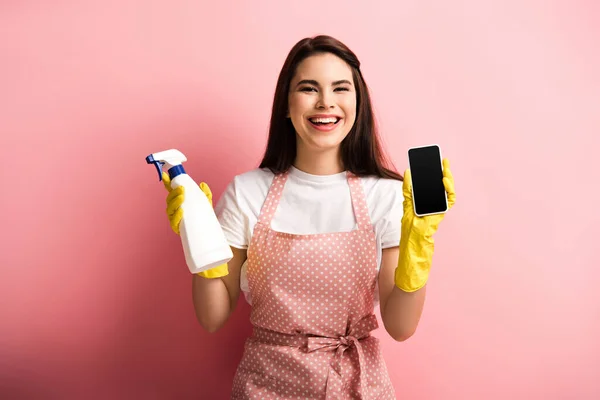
(324, 122)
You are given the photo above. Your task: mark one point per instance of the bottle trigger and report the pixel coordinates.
(159, 165)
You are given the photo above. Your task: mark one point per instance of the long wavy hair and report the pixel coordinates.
(361, 150)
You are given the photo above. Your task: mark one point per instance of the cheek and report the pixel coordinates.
(349, 107)
(298, 104)
(296, 109)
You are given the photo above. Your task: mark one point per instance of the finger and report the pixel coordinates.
(204, 187)
(446, 170)
(177, 192)
(449, 181)
(174, 205)
(166, 181)
(407, 185)
(407, 204)
(175, 219)
(449, 185)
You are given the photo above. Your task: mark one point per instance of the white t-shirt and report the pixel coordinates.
(309, 204)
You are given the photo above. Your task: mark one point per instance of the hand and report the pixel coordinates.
(175, 199)
(428, 224)
(416, 241)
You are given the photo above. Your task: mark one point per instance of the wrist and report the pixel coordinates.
(216, 272)
(418, 228)
(414, 261)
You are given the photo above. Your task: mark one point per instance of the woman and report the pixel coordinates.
(320, 233)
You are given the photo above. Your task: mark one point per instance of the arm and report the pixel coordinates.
(405, 269)
(216, 298)
(215, 292)
(400, 310)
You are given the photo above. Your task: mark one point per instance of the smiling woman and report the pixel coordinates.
(322, 99)
(321, 78)
(316, 235)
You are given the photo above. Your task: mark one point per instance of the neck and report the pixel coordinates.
(326, 162)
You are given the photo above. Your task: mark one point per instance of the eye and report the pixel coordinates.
(308, 89)
(342, 89)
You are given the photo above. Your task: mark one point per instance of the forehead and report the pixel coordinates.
(323, 68)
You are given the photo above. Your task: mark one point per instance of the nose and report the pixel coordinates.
(325, 100)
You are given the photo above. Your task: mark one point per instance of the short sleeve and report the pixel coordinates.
(390, 236)
(231, 218)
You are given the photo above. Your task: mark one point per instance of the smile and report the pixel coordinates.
(324, 123)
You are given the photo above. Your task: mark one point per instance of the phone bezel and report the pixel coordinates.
(411, 186)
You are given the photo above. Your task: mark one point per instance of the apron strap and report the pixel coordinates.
(272, 201)
(359, 202)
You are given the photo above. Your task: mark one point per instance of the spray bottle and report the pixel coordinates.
(203, 240)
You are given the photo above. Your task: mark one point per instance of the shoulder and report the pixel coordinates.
(251, 182)
(253, 176)
(385, 202)
(383, 191)
(249, 187)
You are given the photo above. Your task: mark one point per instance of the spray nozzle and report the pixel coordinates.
(171, 158)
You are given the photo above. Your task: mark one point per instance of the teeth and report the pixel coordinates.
(324, 120)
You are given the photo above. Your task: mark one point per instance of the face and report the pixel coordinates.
(322, 102)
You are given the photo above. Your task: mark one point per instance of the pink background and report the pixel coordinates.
(95, 299)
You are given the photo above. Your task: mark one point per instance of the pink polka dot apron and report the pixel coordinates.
(312, 311)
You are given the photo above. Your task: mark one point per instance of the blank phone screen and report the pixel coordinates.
(429, 194)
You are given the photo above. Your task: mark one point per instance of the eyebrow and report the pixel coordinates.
(313, 82)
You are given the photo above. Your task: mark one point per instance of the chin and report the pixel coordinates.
(323, 143)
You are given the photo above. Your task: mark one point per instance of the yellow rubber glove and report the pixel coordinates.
(175, 213)
(416, 241)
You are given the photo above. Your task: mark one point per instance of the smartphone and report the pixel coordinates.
(429, 194)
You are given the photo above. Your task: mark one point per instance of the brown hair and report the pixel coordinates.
(361, 150)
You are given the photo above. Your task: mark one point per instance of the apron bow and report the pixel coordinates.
(352, 340)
